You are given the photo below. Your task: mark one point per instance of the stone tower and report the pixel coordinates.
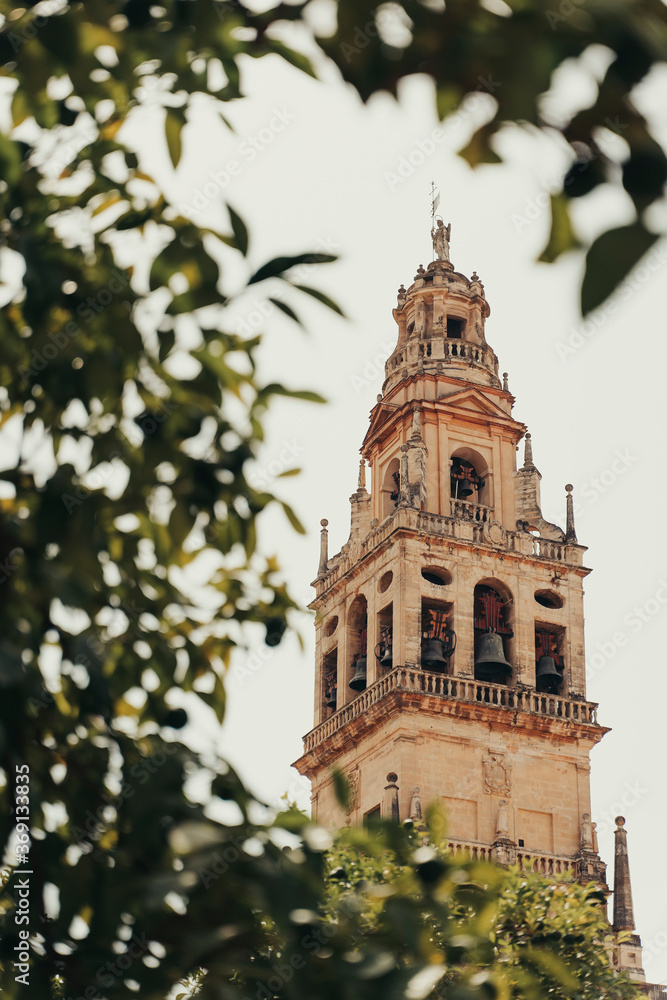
(449, 628)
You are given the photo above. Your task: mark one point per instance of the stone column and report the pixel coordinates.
(624, 918)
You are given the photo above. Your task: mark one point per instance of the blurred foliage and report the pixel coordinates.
(129, 413)
(511, 50)
(494, 932)
(419, 921)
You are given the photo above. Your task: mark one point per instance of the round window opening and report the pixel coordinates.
(440, 577)
(331, 626)
(385, 581)
(548, 599)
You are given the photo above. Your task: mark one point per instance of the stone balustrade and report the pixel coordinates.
(440, 349)
(464, 517)
(452, 688)
(469, 511)
(479, 852)
(544, 864)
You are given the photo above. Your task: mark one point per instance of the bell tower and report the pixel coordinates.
(450, 628)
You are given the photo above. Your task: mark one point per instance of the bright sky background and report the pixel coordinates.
(323, 181)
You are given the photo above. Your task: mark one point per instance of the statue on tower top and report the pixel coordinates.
(441, 234)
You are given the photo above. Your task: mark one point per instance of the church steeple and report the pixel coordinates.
(441, 321)
(449, 628)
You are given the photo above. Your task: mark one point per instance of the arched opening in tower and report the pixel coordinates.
(469, 478)
(391, 486)
(357, 632)
(493, 634)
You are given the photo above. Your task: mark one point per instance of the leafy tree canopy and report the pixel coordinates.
(129, 411)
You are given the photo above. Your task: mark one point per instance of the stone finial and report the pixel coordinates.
(624, 919)
(374, 522)
(570, 533)
(361, 482)
(474, 276)
(390, 809)
(528, 453)
(506, 387)
(594, 838)
(415, 806)
(586, 840)
(324, 548)
(379, 397)
(502, 821)
(401, 292)
(421, 269)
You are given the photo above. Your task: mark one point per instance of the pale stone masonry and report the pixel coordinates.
(450, 626)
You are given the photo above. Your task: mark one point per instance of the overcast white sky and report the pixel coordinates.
(596, 414)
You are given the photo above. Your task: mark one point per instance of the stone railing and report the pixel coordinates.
(470, 511)
(462, 689)
(464, 517)
(479, 852)
(545, 864)
(546, 549)
(440, 349)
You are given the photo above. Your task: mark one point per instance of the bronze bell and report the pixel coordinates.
(547, 675)
(432, 655)
(358, 682)
(386, 656)
(465, 488)
(491, 657)
(331, 698)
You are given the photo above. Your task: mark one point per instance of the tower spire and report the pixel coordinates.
(528, 453)
(624, 918)
(570, 533)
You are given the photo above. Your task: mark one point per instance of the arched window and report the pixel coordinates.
(391, 487)
(493, 633)
(469, 477)
(357, 630)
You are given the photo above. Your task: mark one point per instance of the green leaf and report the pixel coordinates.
(276, 389)
(321, 297)
(173, 126)
(342, 789)
(562, 236)
(239, 229)
(479, 149)
(277, 267)
(292, 518)
(609, 261)
(286, 309)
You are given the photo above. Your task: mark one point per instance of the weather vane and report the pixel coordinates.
(440, 233)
